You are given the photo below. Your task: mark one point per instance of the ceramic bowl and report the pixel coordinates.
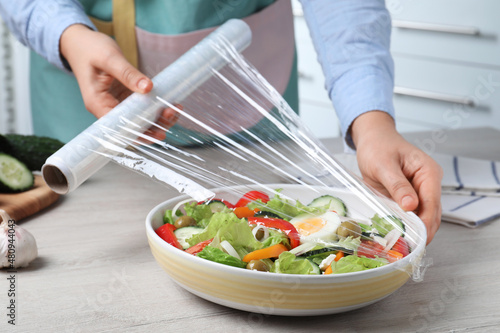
(284, 294)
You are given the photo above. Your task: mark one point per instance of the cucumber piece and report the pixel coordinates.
(315, 268)
(263, 213)
(326, 250)
(215, 205)
(32, 150)
(5, 146)
(14, 175)
(185, 233)
(331, 203)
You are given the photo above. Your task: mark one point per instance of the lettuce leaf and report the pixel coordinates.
(385, 224)
(351, 243)
(217, 255)
(276, 237)
(168, 217)
(201, 213)
(228, 227)
(284, 208)
(289, 264)
(352, 263)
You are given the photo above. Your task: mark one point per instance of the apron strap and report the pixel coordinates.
(122, 28)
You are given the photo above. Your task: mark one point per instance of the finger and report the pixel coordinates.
(398, 186)
(430, 213)
(168, 118)
(156, 133)
(97, 101)
(117, 66)
(429, 210)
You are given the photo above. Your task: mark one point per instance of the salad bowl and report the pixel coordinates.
(284, 294)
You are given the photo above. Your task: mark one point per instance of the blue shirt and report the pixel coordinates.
(351, 37)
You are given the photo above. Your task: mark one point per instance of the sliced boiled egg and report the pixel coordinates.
(314, 228)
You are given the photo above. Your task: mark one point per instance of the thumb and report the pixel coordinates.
(128, 75)
(399, 188)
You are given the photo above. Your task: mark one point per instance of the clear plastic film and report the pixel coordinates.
(238, 148)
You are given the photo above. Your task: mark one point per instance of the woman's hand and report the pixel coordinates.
(396, 168)
(104, 76)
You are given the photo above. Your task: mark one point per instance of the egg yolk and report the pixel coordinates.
(310, 226)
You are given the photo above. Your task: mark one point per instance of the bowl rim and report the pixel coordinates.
(400, 265)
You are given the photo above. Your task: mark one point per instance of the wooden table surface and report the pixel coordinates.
(95, 272)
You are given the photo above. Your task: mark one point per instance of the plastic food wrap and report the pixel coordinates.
(238, 152)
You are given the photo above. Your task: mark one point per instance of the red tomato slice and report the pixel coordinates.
(369, 249)
(198, 247)
(166, 232)
(402, 247)
(252, 196)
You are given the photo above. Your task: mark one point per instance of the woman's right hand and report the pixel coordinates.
(104, 76)
(397, 168)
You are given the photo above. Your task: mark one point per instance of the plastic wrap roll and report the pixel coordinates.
(79, 159)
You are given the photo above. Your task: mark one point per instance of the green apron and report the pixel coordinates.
(57, 106)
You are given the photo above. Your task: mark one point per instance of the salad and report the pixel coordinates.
(283, 236)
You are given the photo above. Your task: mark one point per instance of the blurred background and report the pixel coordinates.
(446, 54)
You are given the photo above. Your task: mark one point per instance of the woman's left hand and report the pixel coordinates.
(397, 168)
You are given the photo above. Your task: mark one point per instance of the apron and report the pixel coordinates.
(58, 109)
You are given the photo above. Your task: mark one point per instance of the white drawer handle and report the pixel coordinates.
(453, 29)
(434, 96)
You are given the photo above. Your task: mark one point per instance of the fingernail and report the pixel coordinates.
(406, 201)
(143, 84)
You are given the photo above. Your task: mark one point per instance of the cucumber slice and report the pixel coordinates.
(263, 213)
(331, 202)
(215, 205)
(328, 250)
(315, 268)
(185, 233)
(14, 175)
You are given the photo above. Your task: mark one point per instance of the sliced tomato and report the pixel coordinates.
(198, 247)
(402, 247)
(286, 227)
(166, 232)
(252, 196)
(370, 249)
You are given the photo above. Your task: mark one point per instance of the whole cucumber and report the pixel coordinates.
(32, 150)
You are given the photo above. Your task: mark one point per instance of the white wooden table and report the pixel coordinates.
(95, 272)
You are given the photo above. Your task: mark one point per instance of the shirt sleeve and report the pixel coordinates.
(352, 40)
(39, 24)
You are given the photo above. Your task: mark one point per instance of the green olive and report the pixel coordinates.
(257, 265)
(184, 221)
(259, 234)
(349, 228)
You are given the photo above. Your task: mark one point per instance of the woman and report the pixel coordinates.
(351, 38)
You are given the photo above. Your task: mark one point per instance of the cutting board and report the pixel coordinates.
(24, 204)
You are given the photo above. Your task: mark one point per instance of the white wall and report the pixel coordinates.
(15, 112)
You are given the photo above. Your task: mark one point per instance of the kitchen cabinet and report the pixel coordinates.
(447, 63)
(447, 67)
